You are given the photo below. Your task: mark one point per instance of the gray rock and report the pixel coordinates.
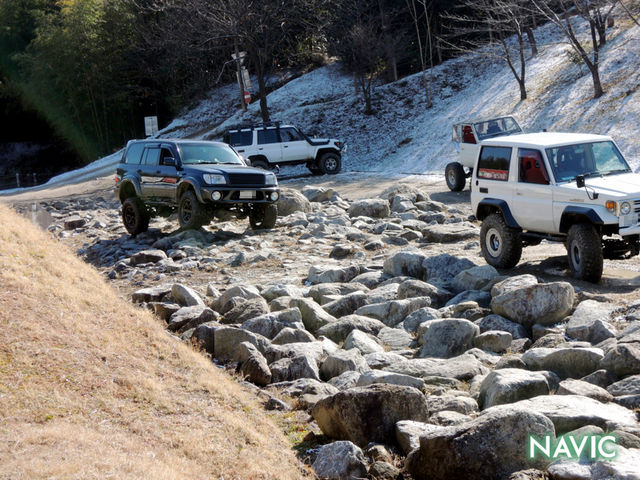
(371, 207)
(420, 316)
(346, 305)
(371, 279)
(319, 194)
(75, 221)
(292, 335)
(626, 386)
(378, 360)
(590, 322)
(363, 342)
(551, 340)
(340, 329)
(480, 297)
(445, 267)
(384, 471)
(493, 341)
(378, 376)
(222, 342)
(252, 364)
(318, 350)
(418, 288)
(340, 461)
(186, 296)
(190, 317)
(313, 315)
(323, 290)
(513, 283)
(324, 274)
(601, 378)
(511, 361)
(489, 447)
(342, 361)
(405, 263)
(395, 311)
(292, 201)
(509, 385)
(623, 359)
(164, 310)
(408, 433)
(623, 467)
(151, 294)
(463, 367)
(448, 337)
(369, 414)
(395, 338)
(451, 232)
(545, 304)
(475, 278)
(147, 256)
(271, 324)
(578, 387)
(246, 310)
(223, 303)
(346, 380)
(301, 366)
(275, 291)
(496, 322)
(566, 362)
(448, 418)
(383, 293)
(461, 404)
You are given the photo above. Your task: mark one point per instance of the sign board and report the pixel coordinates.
(240, 55)
(247, 97)
(246, 79)
(150, 126)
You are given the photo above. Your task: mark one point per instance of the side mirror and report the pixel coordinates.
(169, 161)
(580, 181)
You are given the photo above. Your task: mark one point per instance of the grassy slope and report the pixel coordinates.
(91, 387)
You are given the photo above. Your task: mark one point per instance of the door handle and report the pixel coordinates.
(484, 190)
(286, 146)
(139, 171)
(240, 151)
(519, 193)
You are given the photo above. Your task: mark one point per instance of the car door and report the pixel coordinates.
(532, 203)
(492, 174)
(165, 188)
(294, 146)
(269, 145)
(149, 172)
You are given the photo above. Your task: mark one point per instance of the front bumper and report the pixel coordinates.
(234, 194)
(631, 230)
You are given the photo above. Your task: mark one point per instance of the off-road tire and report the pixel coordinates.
(455, 176)
(135, 216)
(260, 163)
(330, 163)
(191, 213)
(314, 169)
(263, 216)
(501, 245)
(584, 251)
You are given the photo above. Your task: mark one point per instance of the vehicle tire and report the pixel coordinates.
(584, 250)
(191, 213)
(455, 176)
(263, 216)
(260, 163)
(501, 245)
(330, 163)
(135, 215)
(314, 169)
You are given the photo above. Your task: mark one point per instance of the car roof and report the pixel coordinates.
(545, 139)
(179, 141)
(483, 120)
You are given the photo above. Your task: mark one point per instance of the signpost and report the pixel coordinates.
(150, 126)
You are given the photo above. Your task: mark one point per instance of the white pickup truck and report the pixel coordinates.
(467, 137)
(567, 187)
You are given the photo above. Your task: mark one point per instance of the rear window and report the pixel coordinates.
(134, 153)
(240, 139)
(269, 135)
(494, 163)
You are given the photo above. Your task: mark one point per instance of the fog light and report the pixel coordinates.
(215, 196)
(275, 196)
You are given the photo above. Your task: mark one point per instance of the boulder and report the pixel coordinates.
(420, 316)
(369, 414)
(395, 311)
(460, 404)
(292, 201)
(363, 342)
(513, 283)
(270, 324)
(395, 338)
(408, 433)
(488, 447)
(509, 385)
(370, 207)
(191, 317)
(300, 366)
(546, 303)
(475, 278)
(346, 305)
(463, 367)
(585, 389)
(623, 359)
(590, 322)
(325, 274)
(493, 341)
(319, 194)
(345, 380)
(223, 303)
(378, 376)
(227, 339)
(275, 291)
(565, 362)
(246, 310)
(405, 263)
(450, 232)
(313, 315)
(147, 256)
(448, 337)
(417, 288)
(252, 365)
(342, 361)
(292, 335)
(186, 296)
(151, 294)
(340, 329)
(445, 267)
(626, 386)
(340, 460)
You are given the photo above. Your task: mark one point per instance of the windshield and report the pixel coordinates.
(588, 159)
(199, 153)
(496, 127)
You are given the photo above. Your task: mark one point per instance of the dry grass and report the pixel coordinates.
(91, 387)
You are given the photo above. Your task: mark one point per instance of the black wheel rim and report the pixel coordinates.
(129, 215)
(186, 210)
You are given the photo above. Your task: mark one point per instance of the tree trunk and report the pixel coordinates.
(264, 109)
(597, 85)
(532, 41)
(523, 89)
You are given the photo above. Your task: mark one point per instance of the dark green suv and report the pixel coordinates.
(198, 179)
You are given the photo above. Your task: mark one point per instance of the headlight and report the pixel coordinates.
(625, 208)
(214, 179)
(270, 179)
(339, 144)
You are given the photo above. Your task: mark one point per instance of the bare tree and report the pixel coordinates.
(596, 14)
(497, 20)
(426, 52)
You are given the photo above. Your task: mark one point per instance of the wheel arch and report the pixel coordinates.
(575, 214)
(128, 188)
(494, 205)
(186, 185)
(322, 151)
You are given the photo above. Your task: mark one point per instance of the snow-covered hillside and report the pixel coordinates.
(404, 137)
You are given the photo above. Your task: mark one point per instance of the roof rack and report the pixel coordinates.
(252, 126)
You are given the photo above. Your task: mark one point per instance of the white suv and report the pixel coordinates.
(573, 188)
(271, 145)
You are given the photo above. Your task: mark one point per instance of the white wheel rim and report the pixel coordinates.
(493, 240)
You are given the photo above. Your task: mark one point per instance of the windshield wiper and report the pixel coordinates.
(615, 172)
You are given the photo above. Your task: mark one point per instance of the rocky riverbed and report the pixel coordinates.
(381, 339)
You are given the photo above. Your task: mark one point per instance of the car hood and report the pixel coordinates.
(622, 185)
(219, 168)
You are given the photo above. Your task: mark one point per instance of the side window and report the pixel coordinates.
(151, 156)
(267, 135)
(290, 135)
(165, 153)
(531, 167)
(241, 138)
(494, 163)
(134, 154)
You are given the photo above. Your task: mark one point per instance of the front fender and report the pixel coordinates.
(128, 187)
(186, 184)
(490, 205)
(575, 214)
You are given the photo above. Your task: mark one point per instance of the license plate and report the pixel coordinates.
(244, 194)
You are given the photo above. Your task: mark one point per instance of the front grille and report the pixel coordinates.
(636, 206)
(246, 179)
